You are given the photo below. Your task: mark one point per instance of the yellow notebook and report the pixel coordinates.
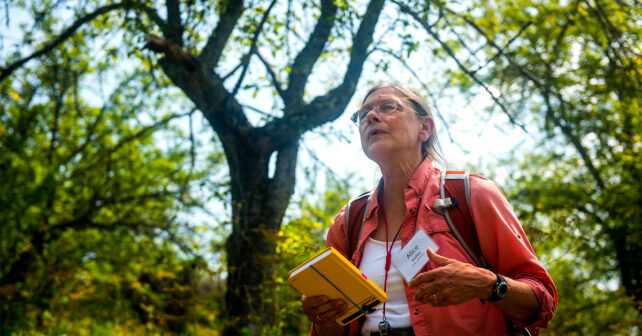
(330, 273)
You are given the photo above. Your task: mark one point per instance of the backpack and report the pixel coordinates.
(455, 185)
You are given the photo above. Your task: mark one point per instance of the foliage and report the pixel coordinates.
(208, 50)
(299, 239)
(578, 250)
(571, 73)
(90, 203)
(262, 73)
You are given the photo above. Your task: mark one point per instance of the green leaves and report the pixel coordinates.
(572, 70)
(90, 198)
(299, 239)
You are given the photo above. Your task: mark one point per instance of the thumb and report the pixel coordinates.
(437, 259)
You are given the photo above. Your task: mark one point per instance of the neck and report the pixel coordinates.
(396, 174)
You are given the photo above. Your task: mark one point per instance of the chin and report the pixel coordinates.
(376, 154)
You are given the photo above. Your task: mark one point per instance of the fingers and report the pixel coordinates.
(322, 311)
(426, 289)
(421, 278)
(451, 282)
(432, 274)
(313, 301)
(437, 259)
(445, 297)
(427, 283)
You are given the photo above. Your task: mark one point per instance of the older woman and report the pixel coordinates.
(398, 133)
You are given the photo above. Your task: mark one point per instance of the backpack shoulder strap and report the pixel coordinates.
(356, 209)
(456, 185)
(454, 205)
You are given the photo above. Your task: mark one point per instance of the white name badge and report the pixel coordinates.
(413, 256)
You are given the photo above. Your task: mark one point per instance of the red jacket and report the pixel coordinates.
(501, 238)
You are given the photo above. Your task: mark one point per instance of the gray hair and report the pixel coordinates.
(430, 148)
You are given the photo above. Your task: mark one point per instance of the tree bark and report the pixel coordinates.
(259, 203)
(258, 199)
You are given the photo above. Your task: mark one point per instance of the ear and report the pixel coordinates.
(427, 126)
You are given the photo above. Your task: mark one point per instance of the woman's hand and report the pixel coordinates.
(452, 282)
(321, 311)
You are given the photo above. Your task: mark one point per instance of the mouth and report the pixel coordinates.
(374, 132)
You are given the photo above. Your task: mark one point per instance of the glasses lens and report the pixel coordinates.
(381, 109)
(359, 116)
(355, 117)
(387, 108)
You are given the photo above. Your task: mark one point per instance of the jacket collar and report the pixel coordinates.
(417, 183)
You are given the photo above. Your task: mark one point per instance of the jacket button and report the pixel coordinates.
(412, 211)
(416, 311)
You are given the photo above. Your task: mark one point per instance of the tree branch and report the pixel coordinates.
(90, 129)
(172, 51)
(227, 21)
(142, 132)
(573, 139)
(546, 92)
(57, 100)
(6, 11)
(461, 66)
(304, 61)
(153, 15)
(526, 25)
(321, 163)
(229, 74)
(205, 88)
(250, 107)
(124, 141)
(425, 87)
(384, 36)
(174, 26)
(273, 77)
(330, 106)
(246, 58)
(9, 69)
(501, 51)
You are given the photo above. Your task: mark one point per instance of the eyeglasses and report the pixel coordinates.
(382, 109)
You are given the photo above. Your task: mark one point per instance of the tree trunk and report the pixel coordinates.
(258, 199)
(259, 203)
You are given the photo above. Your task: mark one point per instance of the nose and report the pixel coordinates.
(373, 115)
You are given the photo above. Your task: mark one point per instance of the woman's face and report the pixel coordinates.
(395, 136)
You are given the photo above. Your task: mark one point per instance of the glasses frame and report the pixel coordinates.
(358, 116)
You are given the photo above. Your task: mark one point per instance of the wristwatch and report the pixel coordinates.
(499, 289)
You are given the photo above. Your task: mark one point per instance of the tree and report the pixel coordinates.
(300, 237)
(191, 59)
(258, 199)
(572, 69)
(567, 71)
(73, 204)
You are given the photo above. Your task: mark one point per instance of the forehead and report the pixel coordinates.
(382, 95)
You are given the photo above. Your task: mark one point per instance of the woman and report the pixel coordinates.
(449, 295)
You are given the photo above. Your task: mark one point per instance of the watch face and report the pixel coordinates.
(502, 288)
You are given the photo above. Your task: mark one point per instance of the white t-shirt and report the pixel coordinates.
(373, 265)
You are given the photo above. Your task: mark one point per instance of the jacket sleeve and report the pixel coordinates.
(337, 236)
(506, 248)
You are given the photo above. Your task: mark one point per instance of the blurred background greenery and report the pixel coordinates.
(117, 205)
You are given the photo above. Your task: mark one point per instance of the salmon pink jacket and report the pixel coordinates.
(502, 241)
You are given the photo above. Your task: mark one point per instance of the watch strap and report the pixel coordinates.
(499, 289)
